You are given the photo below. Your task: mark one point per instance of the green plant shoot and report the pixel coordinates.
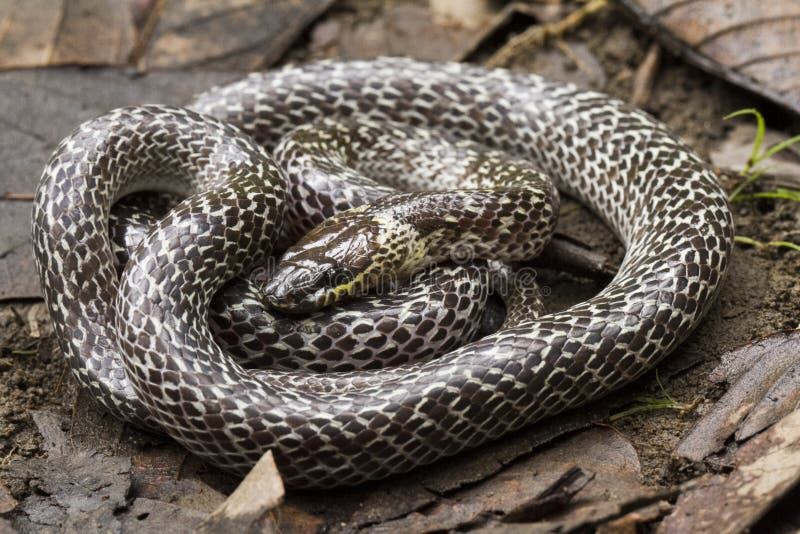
(749, 172)
(750, 175)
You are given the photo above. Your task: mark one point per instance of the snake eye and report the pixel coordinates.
(339, 275)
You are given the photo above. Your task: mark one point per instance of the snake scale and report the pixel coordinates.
(142, 345)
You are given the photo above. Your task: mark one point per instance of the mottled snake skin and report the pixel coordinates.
(663, 202)
(328, 166)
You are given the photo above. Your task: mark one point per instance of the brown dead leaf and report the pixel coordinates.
(602, 455)
(36, 33)
(752, 44)
(7, 501)
(40, 106)
(763, 378)
(247, 509)
(470, 14)
(237, 35)
(768, 467)
(147, 515)
(781, 399)
(634, 522)
(55, 441)
(405, 30)
(68, 493)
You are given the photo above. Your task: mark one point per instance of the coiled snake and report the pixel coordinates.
(143, 346)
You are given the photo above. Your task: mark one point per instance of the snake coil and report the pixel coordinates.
(142, 345)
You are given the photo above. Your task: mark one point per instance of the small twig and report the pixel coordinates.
(146, 33)
(17, 317)
(619, 432)
(645, 76)
(564, 253)
(650, 404)
(572, 56)
(8, 456)
(61, 381)
(570, 210)
(536, 36)
(17, 196)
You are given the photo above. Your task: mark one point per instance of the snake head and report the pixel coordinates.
(341, 257)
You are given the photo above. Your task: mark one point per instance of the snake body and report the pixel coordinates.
(437, 310)
(327, 166)
(143, 346)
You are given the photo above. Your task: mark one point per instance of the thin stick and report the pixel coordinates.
(645, 77)
(146, 34)
(17, 196)
(534, 37)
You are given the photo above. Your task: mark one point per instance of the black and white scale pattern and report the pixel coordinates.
(328, 168)
(492, 207)
(436, 310)
(652, 190)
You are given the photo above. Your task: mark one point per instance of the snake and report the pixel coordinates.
(439, 308)
(141, 343)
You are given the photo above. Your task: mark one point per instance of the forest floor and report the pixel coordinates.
(39, 400)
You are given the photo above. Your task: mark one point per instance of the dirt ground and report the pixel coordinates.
(761, 294)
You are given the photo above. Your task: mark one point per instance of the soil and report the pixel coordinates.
(761, 294)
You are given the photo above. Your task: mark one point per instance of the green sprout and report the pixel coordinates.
(646, 403)
(760, 244)
(750, 174)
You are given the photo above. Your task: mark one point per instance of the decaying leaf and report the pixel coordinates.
(67, 493)
(242, 35)
(467, 13)
(247, 509)
(763, 378)
(405, 30)
(768, 466)
(7, 502)
(599, 465)
(36, 33)
(752, 44)
(472, 472)
(147, 515)
(781, 399)
(40, 106)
